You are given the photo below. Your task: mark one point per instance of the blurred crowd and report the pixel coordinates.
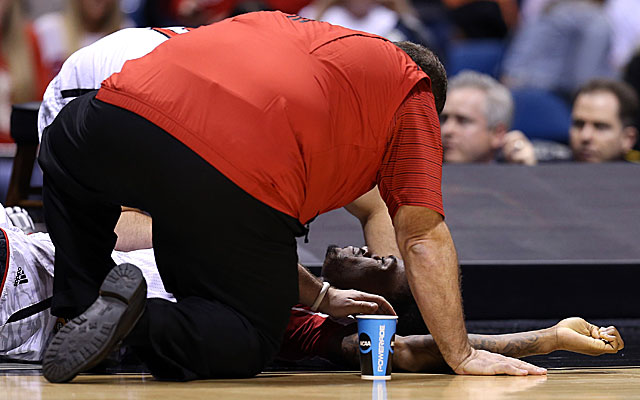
(509, 62)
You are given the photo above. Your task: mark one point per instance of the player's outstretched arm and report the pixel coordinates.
(419, 353)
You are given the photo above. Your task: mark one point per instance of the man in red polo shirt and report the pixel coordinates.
(262, 122)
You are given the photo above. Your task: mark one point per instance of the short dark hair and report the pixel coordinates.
(625, 93)
(431, 65)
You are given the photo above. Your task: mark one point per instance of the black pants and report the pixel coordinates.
(229, 259)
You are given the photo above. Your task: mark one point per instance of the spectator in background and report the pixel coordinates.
(483, 18)
(201, 12)
(195, 13)
(624, 21)
(395, 20)
(22, 75)
(475, 122)
(602, 127)
(632, 77)
(624, 16)
(560, 50)
(530, 10)
(603, 118)
(632, 74)
(80, 24)
(146, 13)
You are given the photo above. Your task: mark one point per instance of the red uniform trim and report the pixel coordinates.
(6, 266)
(168, 32)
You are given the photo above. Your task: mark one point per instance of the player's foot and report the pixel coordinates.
(87, 339)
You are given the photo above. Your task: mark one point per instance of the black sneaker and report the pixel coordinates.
(87, 339)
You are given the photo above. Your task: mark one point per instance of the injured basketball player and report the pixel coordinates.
(314, 334)
(27, 325)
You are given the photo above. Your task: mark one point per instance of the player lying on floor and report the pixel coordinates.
(26, 265)
(312, 334)
(27, 326)
(315, 334)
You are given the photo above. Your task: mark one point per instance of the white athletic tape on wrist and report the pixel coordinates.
(323, 292)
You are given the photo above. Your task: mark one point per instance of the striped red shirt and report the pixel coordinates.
(411, 171)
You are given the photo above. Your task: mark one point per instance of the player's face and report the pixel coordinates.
(596, 133)
(466, 137)
(356, 268)
(361, 257)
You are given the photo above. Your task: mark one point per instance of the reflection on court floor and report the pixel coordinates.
(610, 383)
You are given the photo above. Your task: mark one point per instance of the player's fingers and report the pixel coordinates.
(610, 347)
(364, 307)
(606, 334)
(607, 330)
(619, 339)
(612, 335)
(593, 346)
(509, 369)
(384, 307)
(530, 368)
(594, 331)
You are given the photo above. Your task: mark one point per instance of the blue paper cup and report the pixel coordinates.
(376, 336)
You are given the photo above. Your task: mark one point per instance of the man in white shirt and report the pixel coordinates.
(85, 69)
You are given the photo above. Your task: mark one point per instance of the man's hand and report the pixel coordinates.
(578, 335)
(482, 362)
(517, 149)
(340, 303)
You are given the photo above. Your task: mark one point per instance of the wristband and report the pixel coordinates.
(323, 292)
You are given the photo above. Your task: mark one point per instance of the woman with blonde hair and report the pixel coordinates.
(22, 75)
(80, 24)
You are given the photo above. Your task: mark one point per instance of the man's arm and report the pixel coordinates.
(133, 230)
(419, 353)
(376, 223)
(431, 265)
(432, 270)
(337, 302)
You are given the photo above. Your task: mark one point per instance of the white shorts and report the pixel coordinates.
(25, 297)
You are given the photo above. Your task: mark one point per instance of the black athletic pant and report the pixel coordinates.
(229, 259)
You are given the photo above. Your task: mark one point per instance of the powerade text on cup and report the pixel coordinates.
(376, 334)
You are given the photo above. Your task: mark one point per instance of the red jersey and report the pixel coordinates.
(298, 113)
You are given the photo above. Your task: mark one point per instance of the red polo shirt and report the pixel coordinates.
(298, 113)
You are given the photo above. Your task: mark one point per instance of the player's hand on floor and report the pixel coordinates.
(577, 335)
(482, 362)
(340, 303)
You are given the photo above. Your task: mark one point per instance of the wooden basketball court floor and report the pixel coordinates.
(559, 384)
